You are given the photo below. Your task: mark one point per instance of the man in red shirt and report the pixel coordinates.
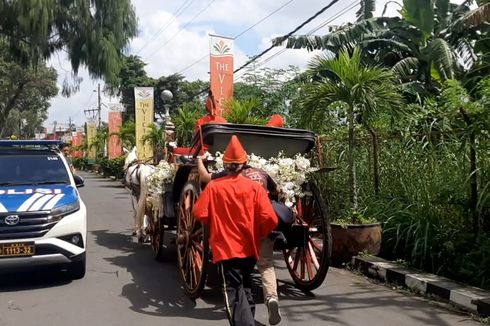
(240, 215)
(211, 116)
(265, 264)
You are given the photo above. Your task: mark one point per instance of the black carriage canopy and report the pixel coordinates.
(260, 140)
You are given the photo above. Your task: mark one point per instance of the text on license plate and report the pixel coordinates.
(16, 249)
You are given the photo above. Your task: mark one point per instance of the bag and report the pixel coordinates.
(284, 214)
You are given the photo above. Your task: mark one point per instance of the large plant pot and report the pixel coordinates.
(351, 239)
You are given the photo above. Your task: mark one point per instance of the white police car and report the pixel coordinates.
(43, 220)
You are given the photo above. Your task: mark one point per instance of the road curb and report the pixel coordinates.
(469, 298)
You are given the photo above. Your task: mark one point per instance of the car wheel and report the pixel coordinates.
(77, 269)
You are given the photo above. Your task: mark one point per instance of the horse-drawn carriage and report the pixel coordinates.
(306, 244)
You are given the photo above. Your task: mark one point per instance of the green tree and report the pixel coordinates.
(192, 92)
(25, 124)
(184, 93)
(24, 94)
(94, 33)
(344, 82)
(131, 75)
(274, 89)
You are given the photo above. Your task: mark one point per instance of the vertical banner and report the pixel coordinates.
(114, 143)
(221, 72)
(91, 133)
(77, 141)
(143, 102)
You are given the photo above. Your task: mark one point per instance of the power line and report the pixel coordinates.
(240, 34)
(194, 63)
(181, 29)
(86, 104)
(342, 12)
(266, 17)
(284, 37)
(347, 8)
(176, 14)
(328, 21)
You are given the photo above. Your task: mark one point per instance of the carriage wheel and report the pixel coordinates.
(156, 239)
(192, 244)
(308, 265)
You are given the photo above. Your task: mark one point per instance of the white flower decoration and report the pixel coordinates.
(289, 173)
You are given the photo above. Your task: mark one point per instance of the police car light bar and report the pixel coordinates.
(46, 143)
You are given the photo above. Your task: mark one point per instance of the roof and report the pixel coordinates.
(260, 140)
(34, 146)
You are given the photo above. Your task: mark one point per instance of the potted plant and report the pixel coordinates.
(352, 234)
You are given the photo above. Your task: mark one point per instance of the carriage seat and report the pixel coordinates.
(180, 155)
(182, 151)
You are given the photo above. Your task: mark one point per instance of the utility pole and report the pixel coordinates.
(91, 111)
(69, 124)
(54, 129)
(98, 106)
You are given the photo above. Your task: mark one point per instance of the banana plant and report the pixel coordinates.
(432, 42)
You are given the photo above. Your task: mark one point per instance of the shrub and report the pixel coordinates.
(80, 163)
(423, 204)
(112, 167)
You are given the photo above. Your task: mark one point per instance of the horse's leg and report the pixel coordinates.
(131, 200)
(140, 212)
(135, 219)
(130, 182)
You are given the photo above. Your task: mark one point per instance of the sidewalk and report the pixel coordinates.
(469, 298)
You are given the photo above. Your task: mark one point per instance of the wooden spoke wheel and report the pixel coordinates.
(192, 244)
(308, 264)
(156, 237)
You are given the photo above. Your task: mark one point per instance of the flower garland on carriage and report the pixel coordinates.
(288, 173)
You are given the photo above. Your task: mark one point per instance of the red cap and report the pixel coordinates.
(235, 153)
(276, 121)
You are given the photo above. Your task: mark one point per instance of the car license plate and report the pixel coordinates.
(17, 249)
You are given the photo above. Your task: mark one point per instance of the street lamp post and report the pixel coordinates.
(167, 97)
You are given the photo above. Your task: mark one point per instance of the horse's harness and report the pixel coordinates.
(134, 187)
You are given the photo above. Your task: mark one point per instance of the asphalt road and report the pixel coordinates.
(124, 285)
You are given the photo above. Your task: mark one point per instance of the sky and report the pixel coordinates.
(173, 38)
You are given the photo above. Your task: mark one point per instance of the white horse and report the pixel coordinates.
(136, 173)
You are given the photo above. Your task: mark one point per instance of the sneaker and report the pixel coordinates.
(274, 314)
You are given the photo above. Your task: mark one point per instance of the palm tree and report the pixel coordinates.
(127, 134)
(185, 121)
(244, 112)
(156, 138)
(100, 141)
(361, 90)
